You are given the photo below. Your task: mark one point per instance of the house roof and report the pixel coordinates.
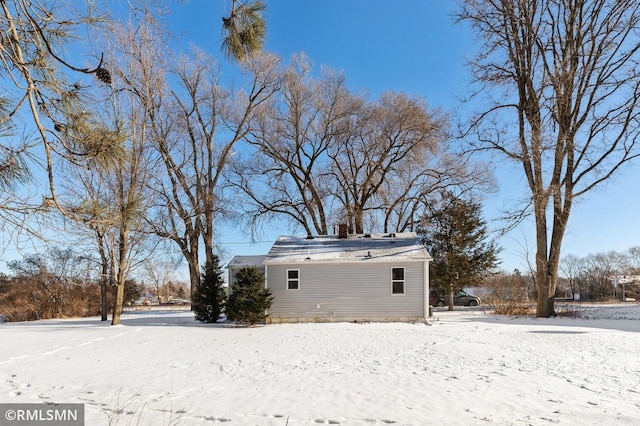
(247, 261)
(356, 248)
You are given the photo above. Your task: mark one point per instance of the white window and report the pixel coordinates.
(397, 280)
(293, 279)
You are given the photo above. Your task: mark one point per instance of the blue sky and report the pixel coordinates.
(415, 47)
(381, 45)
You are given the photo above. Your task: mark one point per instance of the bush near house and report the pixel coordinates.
(249, 301)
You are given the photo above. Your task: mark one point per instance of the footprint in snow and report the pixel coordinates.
(326, 422)
(217, 419)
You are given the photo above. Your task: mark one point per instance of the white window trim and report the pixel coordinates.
(404, 281)
(287, 280)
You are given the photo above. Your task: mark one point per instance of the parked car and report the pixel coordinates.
(144, 301)
(176, 301)
(461, 298)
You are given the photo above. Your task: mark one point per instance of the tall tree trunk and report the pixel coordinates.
(207, 238)
(104, 304)
(545, 307)
(191, 254)
(548, 251)
(450, 297)
(358, 220)
(194, 276)
(117, 305)
(104, 276)
(121, 276)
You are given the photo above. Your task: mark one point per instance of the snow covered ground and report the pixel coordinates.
(467, 368)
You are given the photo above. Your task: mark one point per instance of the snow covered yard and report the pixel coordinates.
(468, 367)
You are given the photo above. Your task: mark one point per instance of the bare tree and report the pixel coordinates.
(632, 264)
(571, 268)
(195, 134)
(603, 276)
(286, 174)
(50, 284)
(159, 272)
(412, 188)
(382, 158)
(111, 203)
(506, 291)
(563, 84)
(599, 270)
(63, 266)
(116, 195)
(323, 156)
(86, 196)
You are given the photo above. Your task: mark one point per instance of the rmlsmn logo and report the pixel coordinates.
(41, 414)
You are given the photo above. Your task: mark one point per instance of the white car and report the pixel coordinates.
(179, 302)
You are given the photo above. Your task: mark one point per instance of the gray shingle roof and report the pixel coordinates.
(247, 261)
(356, 248)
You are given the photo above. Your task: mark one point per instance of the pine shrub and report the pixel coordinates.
(210, 299)
(249, 301)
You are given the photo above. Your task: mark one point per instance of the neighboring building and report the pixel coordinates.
(626, 287)
(372, 277)
(239, 262)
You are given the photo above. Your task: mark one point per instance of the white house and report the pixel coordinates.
(372, 277)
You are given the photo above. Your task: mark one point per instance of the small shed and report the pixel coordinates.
(239, 262)
(371, 277)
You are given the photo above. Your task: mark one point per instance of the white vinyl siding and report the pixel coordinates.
(293, 279)
(397, 281)
(347, 291)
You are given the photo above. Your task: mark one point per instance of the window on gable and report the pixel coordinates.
(397, 280)
(293, 279)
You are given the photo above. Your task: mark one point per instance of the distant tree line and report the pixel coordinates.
(602, 276)
(54, 284)
(62, 282)
(599, 277)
